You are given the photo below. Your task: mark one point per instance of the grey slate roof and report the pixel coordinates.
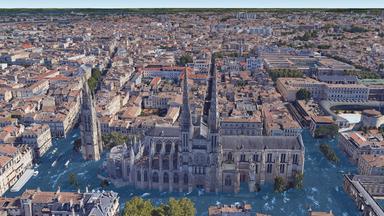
(261, 142)
(164, 132)
(327, 78)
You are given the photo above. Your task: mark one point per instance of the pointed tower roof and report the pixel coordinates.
(213, 114)
(186, 121)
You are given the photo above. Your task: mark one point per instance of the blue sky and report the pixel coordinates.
(191, 3)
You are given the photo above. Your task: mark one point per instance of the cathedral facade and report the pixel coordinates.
(192, 155)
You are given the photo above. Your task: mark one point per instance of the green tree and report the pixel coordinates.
(184, 59)
(329, 153)
(77, 145)
(138, 207)
(104, 183)
(275, 74)
(114, 139)
(326, 131)
(280, 184)
(94, 79)
(298, 181)
(187, 207)
(365, 74)
(72, 179)
(303, 94)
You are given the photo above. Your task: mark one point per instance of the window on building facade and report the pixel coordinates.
(295, 159)
(228, 181)
(269, 158)
(282, 168)
(166, 178)
(185, 178)
(155, 177)
(229, 157)
(255, 157)
(269, 168)
(145, 176)
(282, 158)
(242, 157)
(175, 178)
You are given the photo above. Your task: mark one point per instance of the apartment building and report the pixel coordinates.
(371, 165)
(39, 138)
(14, 161)
(358, 143)
(288, 87)
(242, 126)
(42, 203)
(163, 72)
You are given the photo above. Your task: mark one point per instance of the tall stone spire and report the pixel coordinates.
(213, 119)
(213, 114)
(186, 121)
(185, 111)
(91, 142)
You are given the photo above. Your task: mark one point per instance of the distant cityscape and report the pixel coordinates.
(189, 103)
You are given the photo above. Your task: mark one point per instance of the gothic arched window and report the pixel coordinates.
(145, 176)
(228, 181)
(185, 178)
(229, 157)
(166, 178)
(175, 178)
(155, 177)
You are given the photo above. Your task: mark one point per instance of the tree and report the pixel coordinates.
(72, 179)
(138, 207)
(159, 211)
(326, 131)
(329, 153)
(184, 59)
(275, 74)
(94, 79)
(186, 205)
(114, 139)
(104, 183)
(303, 94)
(77, 145)
(280, 184)
(298, 181)
(365, 74)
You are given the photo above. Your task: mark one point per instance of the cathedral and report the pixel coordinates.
(195, 155)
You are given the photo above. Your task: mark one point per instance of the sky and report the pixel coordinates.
(191, 3)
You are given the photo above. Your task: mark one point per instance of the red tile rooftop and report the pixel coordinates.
(7, 149)
(4, 160)
(373, 160)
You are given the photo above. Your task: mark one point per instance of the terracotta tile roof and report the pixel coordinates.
(8, 149)
(4, 160)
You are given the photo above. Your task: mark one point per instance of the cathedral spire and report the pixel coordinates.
(91, 142)
(185, 111)
(185, 122)
(213, 114)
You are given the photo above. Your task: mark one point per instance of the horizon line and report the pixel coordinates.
(138, 8)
